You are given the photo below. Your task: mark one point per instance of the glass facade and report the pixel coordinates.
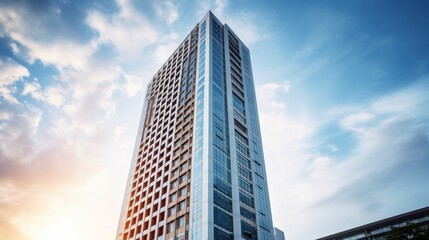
(222, 189)
(197, 182)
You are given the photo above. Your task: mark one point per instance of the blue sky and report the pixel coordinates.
(342, 89)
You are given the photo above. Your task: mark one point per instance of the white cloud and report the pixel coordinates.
(272, 94)
(91, 91)
(10, 72)
(287, 144)
(128, 31)
(32, 89)
(133, 84)
(7, 93)
(356, 121)
(19, 129)
(167, 11)
(54, 96)
(20, 26)
(15, 48)
(86, 81)
(319, 166)
(10, 20)
(404, 101)
(61, 54)
(219, 7)
(163, 51)
(5, 115)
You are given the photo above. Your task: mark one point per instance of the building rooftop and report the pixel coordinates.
(416, 216)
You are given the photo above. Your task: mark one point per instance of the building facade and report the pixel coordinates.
(198, 169)
(380, 229)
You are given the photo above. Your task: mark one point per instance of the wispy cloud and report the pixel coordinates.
(251, 27)
(220, 6)
(167, 10)
(356, 122)
(272, 94)
(128, 31)
(391, 153)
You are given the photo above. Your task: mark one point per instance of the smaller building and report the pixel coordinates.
(278, 234)
(380, 229)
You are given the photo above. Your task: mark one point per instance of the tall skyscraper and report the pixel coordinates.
(198, 169)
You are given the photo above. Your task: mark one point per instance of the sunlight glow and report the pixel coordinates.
(61, 229)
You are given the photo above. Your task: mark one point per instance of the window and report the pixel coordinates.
(182, 205)
(174, 184)
(171, 211)
(238, 104)
(245, 185)
(243, 161)
(186, 144)
(173, 197)
(184, 166)
(185, 155)
(170, 227)
(222, 201)
(220, 234)
(184, 178)
(241, 137)
(176, 162)
(182, 192)
(181, 222)
(242, 149)
(222, 186)
(247, 214)
(246, 200)
(176, 173)
(240, 126)
(244, 173)
(180, 236)
(248, 231)
(222, 219)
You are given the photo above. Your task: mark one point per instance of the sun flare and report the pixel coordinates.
(61, 229)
